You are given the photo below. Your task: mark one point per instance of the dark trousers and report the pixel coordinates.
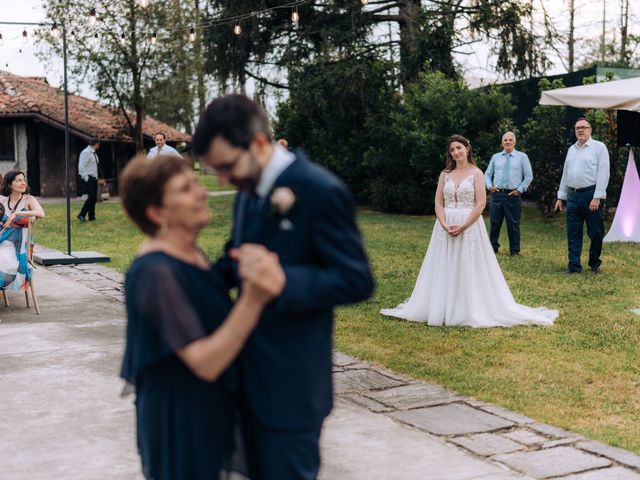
(509, 207)
(89, 207)
(577, 214)
(278, 454)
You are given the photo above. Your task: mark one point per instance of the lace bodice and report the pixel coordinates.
(462, 195)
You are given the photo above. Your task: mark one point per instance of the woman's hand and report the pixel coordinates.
(262, 276)
(456, 230)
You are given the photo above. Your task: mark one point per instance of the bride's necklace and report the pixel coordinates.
(16, 204)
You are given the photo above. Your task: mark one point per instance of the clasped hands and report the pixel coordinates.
(454, 230)
(260, 270)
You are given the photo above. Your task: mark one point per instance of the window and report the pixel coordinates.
(7, 151)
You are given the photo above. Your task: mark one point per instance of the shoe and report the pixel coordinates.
(568, 272)
(92, 219)
(82, 219)
(596, 270)
(515, 254)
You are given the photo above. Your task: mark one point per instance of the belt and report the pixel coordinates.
(504, 189)
(580, 190)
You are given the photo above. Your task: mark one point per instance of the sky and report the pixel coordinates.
(476, 64)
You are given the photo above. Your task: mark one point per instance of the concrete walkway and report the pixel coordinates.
(62, 415)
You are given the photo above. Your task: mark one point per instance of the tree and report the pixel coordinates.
(117, 57)
(429, 32)
(546, 140)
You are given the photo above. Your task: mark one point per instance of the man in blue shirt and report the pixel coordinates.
(583, 189)
(508, 175)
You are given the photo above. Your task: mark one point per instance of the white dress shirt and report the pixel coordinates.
(586, 166)
(166, 150)
(278, 163)
(88, 163)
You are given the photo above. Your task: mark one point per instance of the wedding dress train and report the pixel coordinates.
(460, 282)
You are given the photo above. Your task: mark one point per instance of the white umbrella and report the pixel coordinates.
(615, 95)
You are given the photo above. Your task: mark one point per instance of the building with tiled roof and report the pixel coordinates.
(32, 133)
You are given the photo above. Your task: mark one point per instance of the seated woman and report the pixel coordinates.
(17, 208)
(183, 331)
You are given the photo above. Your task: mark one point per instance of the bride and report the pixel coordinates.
(460, 282)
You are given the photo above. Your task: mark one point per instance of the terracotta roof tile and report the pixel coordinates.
(33, 95)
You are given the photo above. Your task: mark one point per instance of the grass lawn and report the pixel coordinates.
(210, 182)
(583, 374)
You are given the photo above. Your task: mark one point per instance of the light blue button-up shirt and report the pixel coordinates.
(166, 150)
(520, 172)
(584, 167)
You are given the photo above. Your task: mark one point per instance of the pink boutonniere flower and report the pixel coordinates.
(283, 200)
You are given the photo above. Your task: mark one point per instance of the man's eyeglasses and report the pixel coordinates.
(229, 166)
(582, 128)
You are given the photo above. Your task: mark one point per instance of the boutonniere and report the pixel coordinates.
(282, 200)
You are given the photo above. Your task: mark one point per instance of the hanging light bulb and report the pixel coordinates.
(1, 40)
(73, 35)
(295, 16)
(123, 40)
(237, 29)
(192, 35)
(143, 3)
(25, 37)
(95, 40)
(364, 2)
(154, 38)
(55, 33)
(92, 17)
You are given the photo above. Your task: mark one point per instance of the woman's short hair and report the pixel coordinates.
(5, 189)
(143, 183)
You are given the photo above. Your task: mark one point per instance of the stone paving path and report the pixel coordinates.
(389, 426)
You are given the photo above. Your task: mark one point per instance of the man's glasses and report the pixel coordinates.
(229, 166)
(582, 128)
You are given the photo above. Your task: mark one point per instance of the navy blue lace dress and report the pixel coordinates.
(185, 426)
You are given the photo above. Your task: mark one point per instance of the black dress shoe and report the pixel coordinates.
(92, 219)
(82, 219)
(515, 254)
(569, 272)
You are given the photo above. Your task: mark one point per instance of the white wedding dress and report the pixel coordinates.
(460, 282)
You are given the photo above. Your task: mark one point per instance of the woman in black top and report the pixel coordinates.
(183, 331)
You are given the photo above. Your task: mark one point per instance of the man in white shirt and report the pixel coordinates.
(161, 147)
(583, 189)
(88, 172)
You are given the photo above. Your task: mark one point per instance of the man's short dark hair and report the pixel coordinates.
(94, 141)
(234, 117)
(160, 133)
(582, 119)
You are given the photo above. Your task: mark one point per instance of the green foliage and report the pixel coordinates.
(545, 142)
(335, 112)
(406, 166)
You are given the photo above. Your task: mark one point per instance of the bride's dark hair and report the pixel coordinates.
(450, 163)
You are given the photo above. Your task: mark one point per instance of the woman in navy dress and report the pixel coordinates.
(183, 331)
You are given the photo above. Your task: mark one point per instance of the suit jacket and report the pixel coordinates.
(285, 368)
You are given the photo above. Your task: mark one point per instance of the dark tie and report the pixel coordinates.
(252, 218)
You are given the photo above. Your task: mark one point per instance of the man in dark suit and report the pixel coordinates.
(306, 215)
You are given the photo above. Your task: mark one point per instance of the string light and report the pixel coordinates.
(237, 29)
(1, 40)
(154, 38)
(25, 37)
(55, 33)
(73, 35)
(143, 3)
(192, 35)
(92, 17)
(364, 2)
(295, 16)
(123, 40)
